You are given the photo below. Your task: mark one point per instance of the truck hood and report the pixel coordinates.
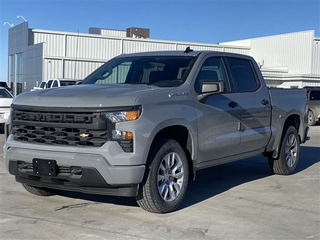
(86, 95)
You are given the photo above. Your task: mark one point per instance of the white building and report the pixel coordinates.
(288, 60)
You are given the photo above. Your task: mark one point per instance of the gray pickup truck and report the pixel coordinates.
(142, 124)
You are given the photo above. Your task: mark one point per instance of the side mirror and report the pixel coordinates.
(209, 88)
(212, 87)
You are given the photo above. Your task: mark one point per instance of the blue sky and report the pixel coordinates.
(205, 21)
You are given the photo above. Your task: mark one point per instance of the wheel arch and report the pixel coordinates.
(292, 120)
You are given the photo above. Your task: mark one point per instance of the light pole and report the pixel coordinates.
(19, 16)
(10, 24)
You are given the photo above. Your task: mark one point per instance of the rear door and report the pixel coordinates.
(254, 104)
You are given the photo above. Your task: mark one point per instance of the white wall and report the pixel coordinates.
(73, 55)
(55, 54)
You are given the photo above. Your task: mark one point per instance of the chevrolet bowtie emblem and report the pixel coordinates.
(84, 135)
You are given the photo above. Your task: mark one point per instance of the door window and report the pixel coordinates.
(243, 75)
(55, 84)
(49, 83)
(212, 71)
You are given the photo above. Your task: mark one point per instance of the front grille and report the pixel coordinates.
(60, 136)
(59, 128)
(56, 117)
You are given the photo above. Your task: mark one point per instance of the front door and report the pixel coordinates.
(218, 116)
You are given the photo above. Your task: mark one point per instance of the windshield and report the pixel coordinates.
(4, 94)
(42, 84)
(162, 71)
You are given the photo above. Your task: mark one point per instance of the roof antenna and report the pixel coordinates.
(188, 49)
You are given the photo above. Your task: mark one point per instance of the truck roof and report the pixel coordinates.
(187, 52)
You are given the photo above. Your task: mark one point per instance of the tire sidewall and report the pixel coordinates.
(282, 158)
(41, 191)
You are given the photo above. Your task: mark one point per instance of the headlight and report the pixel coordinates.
(122, 116)
(8, 124)
(112, 118)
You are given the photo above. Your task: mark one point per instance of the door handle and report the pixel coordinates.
(233, 104)
(264, 102)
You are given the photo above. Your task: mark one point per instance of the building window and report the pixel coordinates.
(11, 73)
(19, 72)
(16, 73)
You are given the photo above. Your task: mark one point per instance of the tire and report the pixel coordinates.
(311, 119)
(166, 179)
(289, 153)
(40, 191)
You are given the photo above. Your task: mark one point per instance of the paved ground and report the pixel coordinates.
(241, 200)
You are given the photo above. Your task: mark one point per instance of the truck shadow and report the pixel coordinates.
(216, 180)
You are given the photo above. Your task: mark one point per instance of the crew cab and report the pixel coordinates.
(142, 124)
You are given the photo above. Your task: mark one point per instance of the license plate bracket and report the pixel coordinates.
(45, 167)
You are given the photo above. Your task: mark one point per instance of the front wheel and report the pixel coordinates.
(166, 178)
(288, 158)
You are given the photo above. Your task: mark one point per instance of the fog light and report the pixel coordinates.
(122, 135)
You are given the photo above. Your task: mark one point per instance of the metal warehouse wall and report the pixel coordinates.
(72, 55)
(316, 57)
(293, 51)
(54, 54)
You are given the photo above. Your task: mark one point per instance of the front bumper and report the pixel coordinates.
(76, 171)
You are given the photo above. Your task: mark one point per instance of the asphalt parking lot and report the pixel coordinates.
(240, 200)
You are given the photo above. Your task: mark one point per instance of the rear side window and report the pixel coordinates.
(243, 75)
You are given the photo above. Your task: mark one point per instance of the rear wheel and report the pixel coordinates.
(166, 178)
(311, 118)
(40, 191)
(288, 158)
